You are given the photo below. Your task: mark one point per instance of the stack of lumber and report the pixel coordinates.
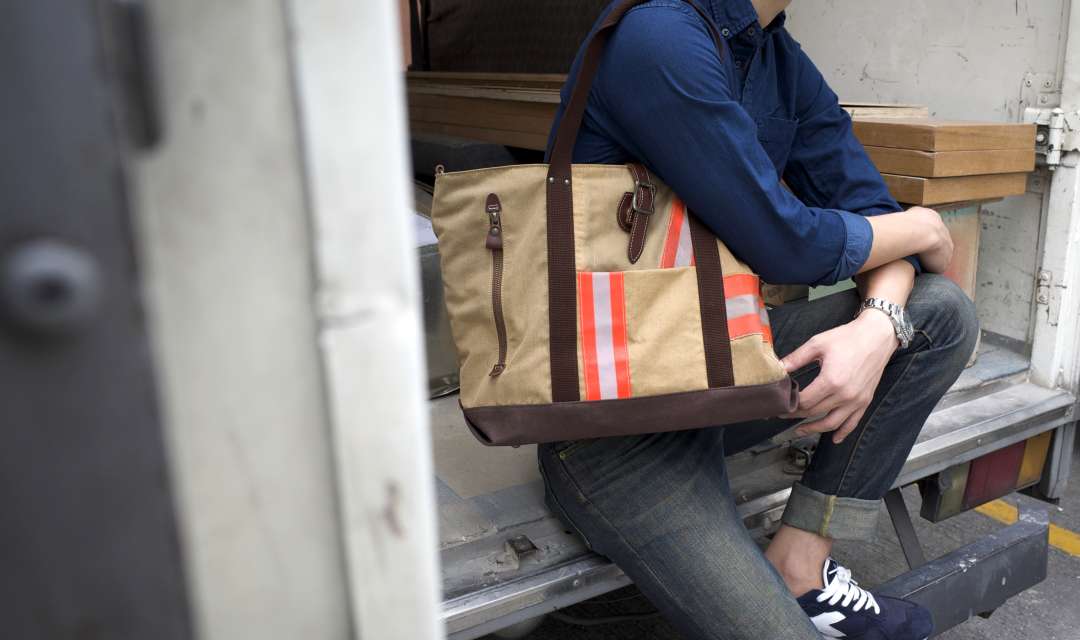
(513, 109)
(933, 162)
(516, 109)
(924, 162)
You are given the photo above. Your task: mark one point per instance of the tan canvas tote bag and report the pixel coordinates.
(586, 301)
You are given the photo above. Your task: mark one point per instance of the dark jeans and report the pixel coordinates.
(660, 506)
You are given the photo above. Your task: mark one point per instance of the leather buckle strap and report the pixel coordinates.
(635, 208)
(644, 199)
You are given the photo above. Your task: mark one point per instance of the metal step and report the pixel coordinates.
(953, 434)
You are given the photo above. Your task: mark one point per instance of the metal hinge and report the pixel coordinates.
(1042, 287)
(1057, 131)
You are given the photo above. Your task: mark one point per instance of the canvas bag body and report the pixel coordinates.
(657, 325)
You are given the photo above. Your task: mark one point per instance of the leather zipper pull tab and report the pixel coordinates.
(493, 207)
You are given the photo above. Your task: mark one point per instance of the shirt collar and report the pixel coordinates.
(732, 16)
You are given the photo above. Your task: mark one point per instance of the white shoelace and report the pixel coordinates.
(844, 588)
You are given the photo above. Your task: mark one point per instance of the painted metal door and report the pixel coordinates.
(88, 537)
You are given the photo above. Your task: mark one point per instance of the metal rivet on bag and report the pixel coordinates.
(567, 181)
(551, 178)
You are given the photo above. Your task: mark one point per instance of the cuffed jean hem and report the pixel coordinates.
(831, 516)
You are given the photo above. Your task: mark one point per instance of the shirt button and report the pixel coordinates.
(725, 32)
(750, 31)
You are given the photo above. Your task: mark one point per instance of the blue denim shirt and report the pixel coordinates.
(728, 130)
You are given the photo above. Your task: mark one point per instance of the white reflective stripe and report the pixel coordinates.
(742, 306)
(685, 253)
(605, 350)
(824, 623)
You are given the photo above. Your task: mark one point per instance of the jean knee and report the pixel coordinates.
(947, 314)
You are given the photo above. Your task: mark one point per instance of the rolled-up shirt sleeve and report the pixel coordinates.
(682, 120)
(827, 165)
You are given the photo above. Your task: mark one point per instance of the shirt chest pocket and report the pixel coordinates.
(776, 136)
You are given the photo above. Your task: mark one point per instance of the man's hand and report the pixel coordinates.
(853, 357)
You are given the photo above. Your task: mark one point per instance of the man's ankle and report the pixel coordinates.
(798, 556)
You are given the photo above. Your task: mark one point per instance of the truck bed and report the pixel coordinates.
(505, 558)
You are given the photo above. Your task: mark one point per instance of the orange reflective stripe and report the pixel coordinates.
(674, 229)
(588, 336)
(741, 284)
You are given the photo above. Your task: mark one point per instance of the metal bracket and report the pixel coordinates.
(905, 529)
(1040, 91)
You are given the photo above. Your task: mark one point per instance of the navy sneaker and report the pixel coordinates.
(844, 610)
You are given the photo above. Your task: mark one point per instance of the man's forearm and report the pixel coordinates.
(892, 282)
(917, 231)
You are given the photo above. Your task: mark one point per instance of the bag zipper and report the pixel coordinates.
(494, 243)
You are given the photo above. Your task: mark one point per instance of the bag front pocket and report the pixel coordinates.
(641, 333)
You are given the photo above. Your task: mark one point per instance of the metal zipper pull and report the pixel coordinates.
(494, 236)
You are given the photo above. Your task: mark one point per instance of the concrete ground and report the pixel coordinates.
(1049, 611)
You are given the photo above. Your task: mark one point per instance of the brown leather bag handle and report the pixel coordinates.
(562, 273)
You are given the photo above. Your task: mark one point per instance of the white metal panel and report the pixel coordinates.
(961, 59)
(965, 60)
(223, 237)
(1055, 357)
(351, 102)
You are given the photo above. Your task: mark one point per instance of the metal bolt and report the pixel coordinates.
(48, 286)
(551, 179)
(566, 181)
(1027, 83)
(1040, 137)
(1044, 99)
(1047, 84)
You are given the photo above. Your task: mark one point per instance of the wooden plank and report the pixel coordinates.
(943, 135)
(932, 191)
(942, 164)
(524, 140)
(874, 110)
(496, 122)
(964, 227)
(517, 94)
(535, 80)
(481, 108)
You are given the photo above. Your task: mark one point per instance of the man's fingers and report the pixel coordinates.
(815, 399)
(830, 422)
(849, 425)
(819, 408)
(804, 355)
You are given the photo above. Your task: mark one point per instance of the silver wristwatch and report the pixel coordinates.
(904, 331)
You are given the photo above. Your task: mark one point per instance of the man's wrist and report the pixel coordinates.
(878, 322)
